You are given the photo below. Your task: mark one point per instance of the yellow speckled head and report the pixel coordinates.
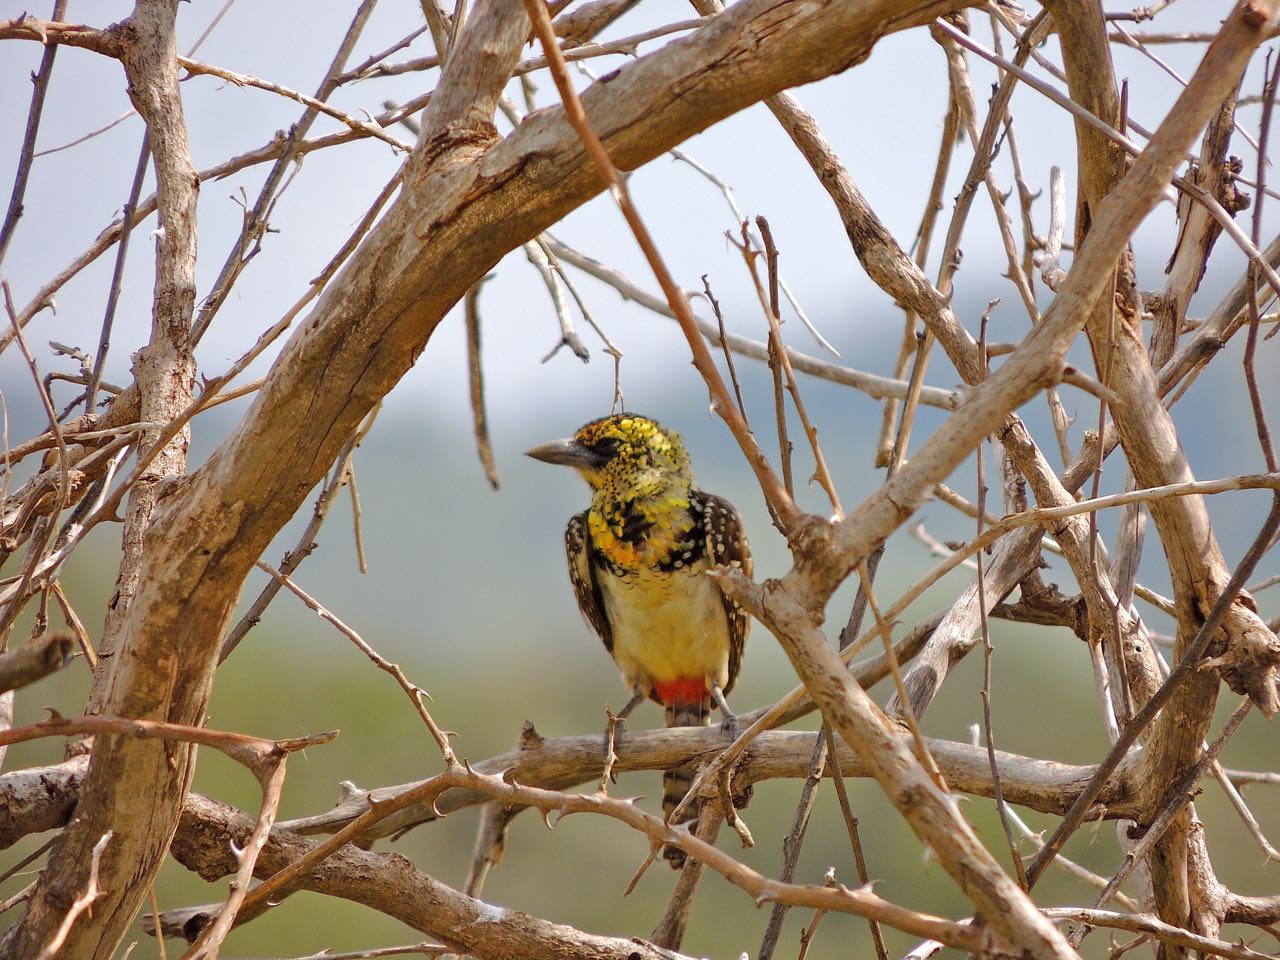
(631, 444)
(626, 454)
(641, 487)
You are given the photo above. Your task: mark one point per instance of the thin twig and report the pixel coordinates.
(568, 332)
(822, 474)
(117, 275)
(425, 949)
(81, 903)
(609, 346)
(357, 514)
(155, 918)
(90, 135)
(909, 347)
(359, 72)
(728, 354)
(1251, 344)
(76, 625)
(245, 80)
(306, 542)
(415, 693)
(885, 630)
(775, 361)
(792, 841)
(936, 547)
(987, 649)
(25, 862)
(787, 511)
(26, 153)
(475, 375)
(1244, 813)
(855, 838)
(210, 940)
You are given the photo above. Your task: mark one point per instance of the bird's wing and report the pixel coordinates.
(582, 571)
(727, 546)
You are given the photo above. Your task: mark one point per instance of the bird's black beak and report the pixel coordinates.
(567, 453)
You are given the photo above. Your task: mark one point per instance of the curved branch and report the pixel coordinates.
(390, 883)
(565, 762)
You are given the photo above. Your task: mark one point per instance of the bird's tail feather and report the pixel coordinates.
(676, 783)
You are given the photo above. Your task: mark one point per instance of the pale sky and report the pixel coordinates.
(889, 150)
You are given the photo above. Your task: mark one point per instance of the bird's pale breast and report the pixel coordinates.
(667, 625)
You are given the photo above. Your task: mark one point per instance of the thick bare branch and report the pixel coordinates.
(109, 42)
(41, 798)
(31, 662)
(131, 779)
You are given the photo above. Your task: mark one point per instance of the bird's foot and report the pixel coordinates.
(674, 856)
(729, 720)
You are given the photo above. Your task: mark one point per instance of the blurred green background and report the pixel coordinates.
(468, 593)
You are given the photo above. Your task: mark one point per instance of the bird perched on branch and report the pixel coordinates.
(637, 559)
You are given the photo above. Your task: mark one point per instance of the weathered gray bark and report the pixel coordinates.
(131, 783)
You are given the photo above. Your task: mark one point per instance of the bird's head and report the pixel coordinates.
(626, 455)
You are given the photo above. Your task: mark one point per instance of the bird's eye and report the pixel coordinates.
(607, 445)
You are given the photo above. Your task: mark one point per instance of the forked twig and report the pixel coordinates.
(81, 903)
(775, 336)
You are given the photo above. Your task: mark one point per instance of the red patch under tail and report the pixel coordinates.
(682, 691)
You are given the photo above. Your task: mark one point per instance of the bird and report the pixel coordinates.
(638, 558)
